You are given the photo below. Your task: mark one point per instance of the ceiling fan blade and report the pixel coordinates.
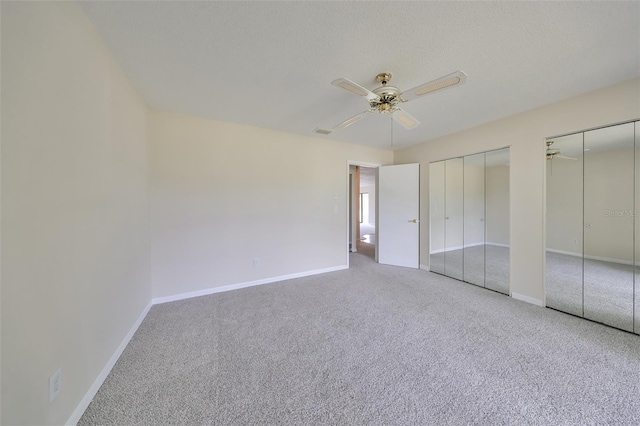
(354, 88)
(454, 79)
(406, 120)
(348, 122)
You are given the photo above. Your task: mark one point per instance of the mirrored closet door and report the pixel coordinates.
(474, 232)
(453, 223)
(469, 219)
(436, 216)
(592, 252)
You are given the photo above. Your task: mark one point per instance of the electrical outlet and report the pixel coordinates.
(55, 385)
(256, 263)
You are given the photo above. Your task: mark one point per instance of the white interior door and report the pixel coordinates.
(398, 225)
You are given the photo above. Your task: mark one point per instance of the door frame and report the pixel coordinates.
(348, 204)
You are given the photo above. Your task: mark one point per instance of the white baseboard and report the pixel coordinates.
(468, 246)
(88, 397)
(454, 248)
(603, 259)
(230, 287)
(569, 253)
(527, 299)
(424, 267)
(498, 245)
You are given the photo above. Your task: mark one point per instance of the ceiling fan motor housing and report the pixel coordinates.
(388, 99)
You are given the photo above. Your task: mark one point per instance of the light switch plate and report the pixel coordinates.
(55, 385)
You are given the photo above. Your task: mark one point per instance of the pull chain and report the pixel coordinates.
(391, 117)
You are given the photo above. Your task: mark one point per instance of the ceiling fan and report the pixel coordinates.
(385, 99)
(555, 153)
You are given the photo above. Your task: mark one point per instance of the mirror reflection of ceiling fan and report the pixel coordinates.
(386, 99)
(555, 153)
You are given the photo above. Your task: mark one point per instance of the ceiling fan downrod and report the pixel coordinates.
(383, 78)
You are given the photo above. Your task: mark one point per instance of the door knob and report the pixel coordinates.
(414, 221)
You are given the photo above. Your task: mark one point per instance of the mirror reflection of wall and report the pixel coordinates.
(564, 226)
(453, 221)
(474, 218)
(592, 206)
(469, 219)
(636, 275)
(497, 207)
(436, 216)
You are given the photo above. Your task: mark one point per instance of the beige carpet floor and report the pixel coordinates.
(371, 345)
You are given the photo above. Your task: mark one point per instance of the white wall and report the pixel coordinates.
(75, 250)
(224, 194)
(526, 133)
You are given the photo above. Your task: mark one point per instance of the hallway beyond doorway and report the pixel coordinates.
(367, 243)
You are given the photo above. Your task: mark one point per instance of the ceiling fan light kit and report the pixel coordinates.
(385, 99)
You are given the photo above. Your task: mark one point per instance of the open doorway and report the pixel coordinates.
(392, 234)
(366, 243)
(362, 209)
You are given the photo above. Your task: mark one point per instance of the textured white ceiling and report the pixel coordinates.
(270, 64)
